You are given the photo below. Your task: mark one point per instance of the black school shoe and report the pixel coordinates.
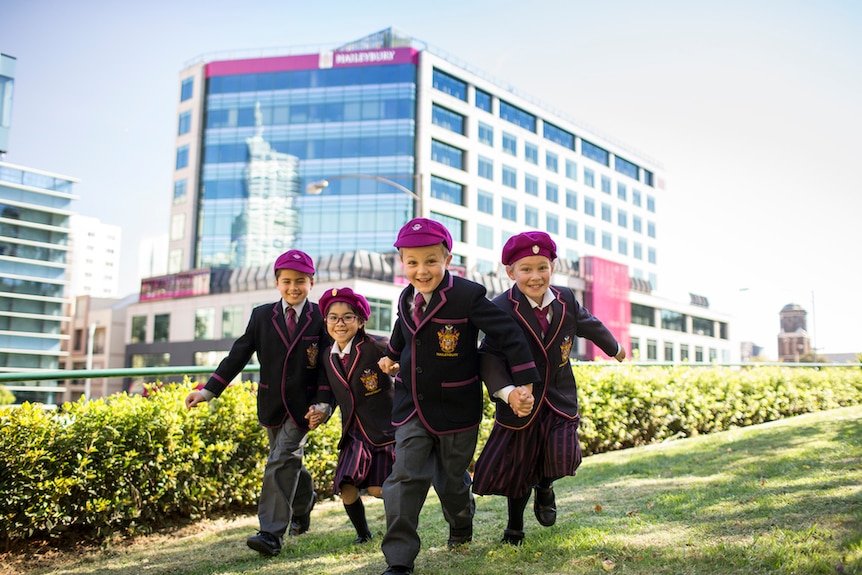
(512, 537)
(397, 570)
(265, 543)
(545, 506)
(302, 523)
(458, 537)
(362, 539)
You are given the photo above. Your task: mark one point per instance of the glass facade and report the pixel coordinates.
(34, 232)
(269, 134)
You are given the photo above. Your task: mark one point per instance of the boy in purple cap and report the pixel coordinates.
(437, 405)
(364, 394)
(287, 336)
(530, 448)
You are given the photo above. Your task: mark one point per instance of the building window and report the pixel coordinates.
(452, 121)
(449, 84)
(510, 210)
(517, 116)
(510, 144)
(552, 192)
(558, 135)
(205, 323)
(651, 255)
(447, 190)
(531, 185)
(621, 191)
(636, 348)
(636, 224)
(572, 199)
(683, 352)
(637, 251)
(698, 354)
(590, 235)
(571, 229)
(623, 246)
(531, 153)
(161, 327)
(636, 198)
(607, 241)
(668, 351)
(486, 168)
(510, 177)
(552, 162)
(483, 100)
(606, 185)
(650, 226)
(552, 224)
(589, 178)
(485, 236)
(701, 326)
(186, 89)
(454, 225)
(673, 320)
(622, 219)
(652, 350)
(643, 315)
(648, 178)
(650, 204)
(589, 206)
(182, 157)
(606, 212)
(572, 170)
(595, 153)
(185, 123)
(485, 202)
(232, 322)
(625, 167)
(178, 226)
(447, 155)
(139, 329)
(531, 217)
(486, 134)
(381, 315)
(180, 191)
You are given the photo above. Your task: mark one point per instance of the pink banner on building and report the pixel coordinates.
(606, 295)
(323, 60)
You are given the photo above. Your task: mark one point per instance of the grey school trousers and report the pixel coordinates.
(288, 488)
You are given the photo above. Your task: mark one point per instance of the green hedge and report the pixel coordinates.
(132, 464)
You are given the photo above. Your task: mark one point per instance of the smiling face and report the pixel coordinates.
(293, 285)
(533, 276)
(424, 267)
(342, 323)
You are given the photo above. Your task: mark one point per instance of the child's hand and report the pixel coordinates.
(521, 400)
(194, 398)
(621, 354)
(314, 417)
(388, 366)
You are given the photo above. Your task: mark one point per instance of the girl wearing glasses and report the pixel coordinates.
(364, 394)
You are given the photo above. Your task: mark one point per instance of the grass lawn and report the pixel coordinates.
(784, 497)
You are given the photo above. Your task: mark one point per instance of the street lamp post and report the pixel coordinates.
(317, 187)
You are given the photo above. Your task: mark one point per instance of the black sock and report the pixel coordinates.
(516, 512)
(356, 513)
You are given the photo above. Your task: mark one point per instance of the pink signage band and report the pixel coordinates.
(324, 60)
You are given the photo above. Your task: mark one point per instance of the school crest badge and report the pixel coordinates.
(447, 337)
(369, 381)
(311, 353)
(566, 349)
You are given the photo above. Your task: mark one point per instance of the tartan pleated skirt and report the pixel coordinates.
(362, 464)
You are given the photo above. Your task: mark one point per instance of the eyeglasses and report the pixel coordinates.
(348, 319)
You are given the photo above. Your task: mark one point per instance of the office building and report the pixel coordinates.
(399, 129)
(94, 262)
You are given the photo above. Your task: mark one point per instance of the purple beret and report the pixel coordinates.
(420, 232)
(348, 296)
(294, 260)
(529, 244)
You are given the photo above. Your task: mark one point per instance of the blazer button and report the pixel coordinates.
(418, 370)
(418, 342)
(421, 397)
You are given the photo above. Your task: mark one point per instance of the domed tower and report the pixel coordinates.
(793, 341)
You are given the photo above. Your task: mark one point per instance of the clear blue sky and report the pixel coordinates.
(752, 107)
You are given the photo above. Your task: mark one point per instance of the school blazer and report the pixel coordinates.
(363, 391)
(439, 376)
(288, 371)
(557, 388)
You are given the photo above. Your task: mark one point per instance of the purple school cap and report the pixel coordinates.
(529, 244)
(420, 232)
(348, 296)
(294, 260)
